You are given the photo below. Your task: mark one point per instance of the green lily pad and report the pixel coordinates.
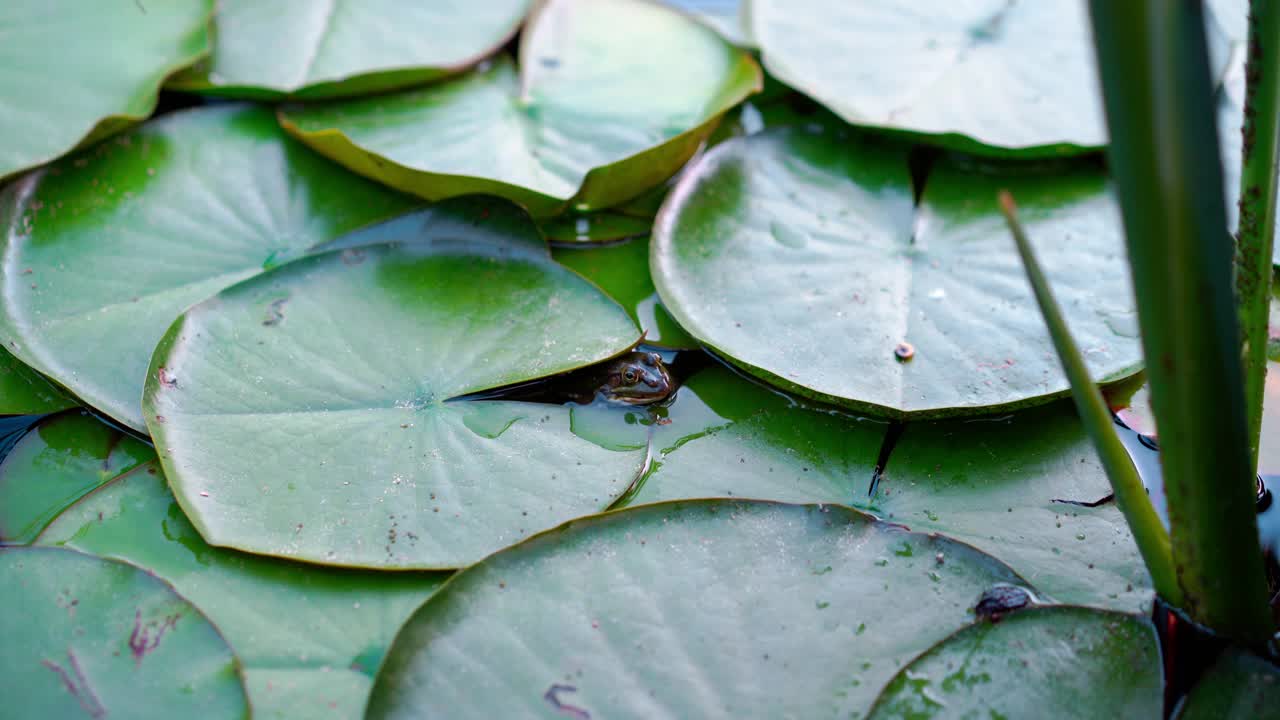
(56, 463)
(989, 76)
(990, 484)
(727, 17)
(68, 80)
(622, 271)
(798, 255)
(272, 49)
(728, 437)
(103, 250)
(85, 637)
(303, 413)
(995, 484)
(1240, 686)
(698, 609)
(310, 638)
(24, 391)
(593, 117)
(1053, 661)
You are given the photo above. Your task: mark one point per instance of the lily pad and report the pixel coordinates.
(1053, 661)
(991, 76)
(24, 391)
(593, 117)
(798, 255)
(272, 49)
(728, 437)
(698, 609)
(309, 638)
(303, 413)
(55, 464)
(1239, 686)
(622, 271)
(85, 637)
(999, 485)
(103, 250)
(68, 80)
(727, 17)
(990, 484)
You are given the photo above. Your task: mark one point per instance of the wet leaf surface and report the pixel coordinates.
(698, 609)
(303, 413)
(808, 237)
(728, 437)
(266, 49)
(93, 269)
(622, 271)
(310, 638)
(992, 484)
(1064, 661)
(85, 637)
(57, 462)
(591, 119)
(67, 79)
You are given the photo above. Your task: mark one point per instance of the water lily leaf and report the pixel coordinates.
(57, 462)
(1239, 686)
(303, 413)
(23, 391)
(797, 254)
(592, 118)
(727, 17)
(103, 250)
(268, 50)
(990, 484)
(698, 609)
(85, 637)
(728, 437)
(997, 485)
(59, 93)
(1064, 661)
(622, 271)
(310, 638)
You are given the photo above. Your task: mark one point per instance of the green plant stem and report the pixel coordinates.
(1258, 203)
(1131, 496)
(1158, 94)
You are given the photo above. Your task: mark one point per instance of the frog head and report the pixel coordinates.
(637, 378)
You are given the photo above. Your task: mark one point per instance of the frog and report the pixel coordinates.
(636, 378)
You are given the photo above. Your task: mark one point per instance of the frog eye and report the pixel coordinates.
(629, 375)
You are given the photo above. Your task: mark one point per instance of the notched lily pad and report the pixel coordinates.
(1239, 686)
(592, 118)
(101, 251)
(309, 638)
(23, 391)
(798, 255)
(697, 609)
(1053, 661)
(68, 80)
(268, 49)
(85, 637)
(307, 413)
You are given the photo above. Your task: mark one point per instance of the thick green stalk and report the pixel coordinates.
(1258, 202)
(1131, 496)
(1156, 84)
